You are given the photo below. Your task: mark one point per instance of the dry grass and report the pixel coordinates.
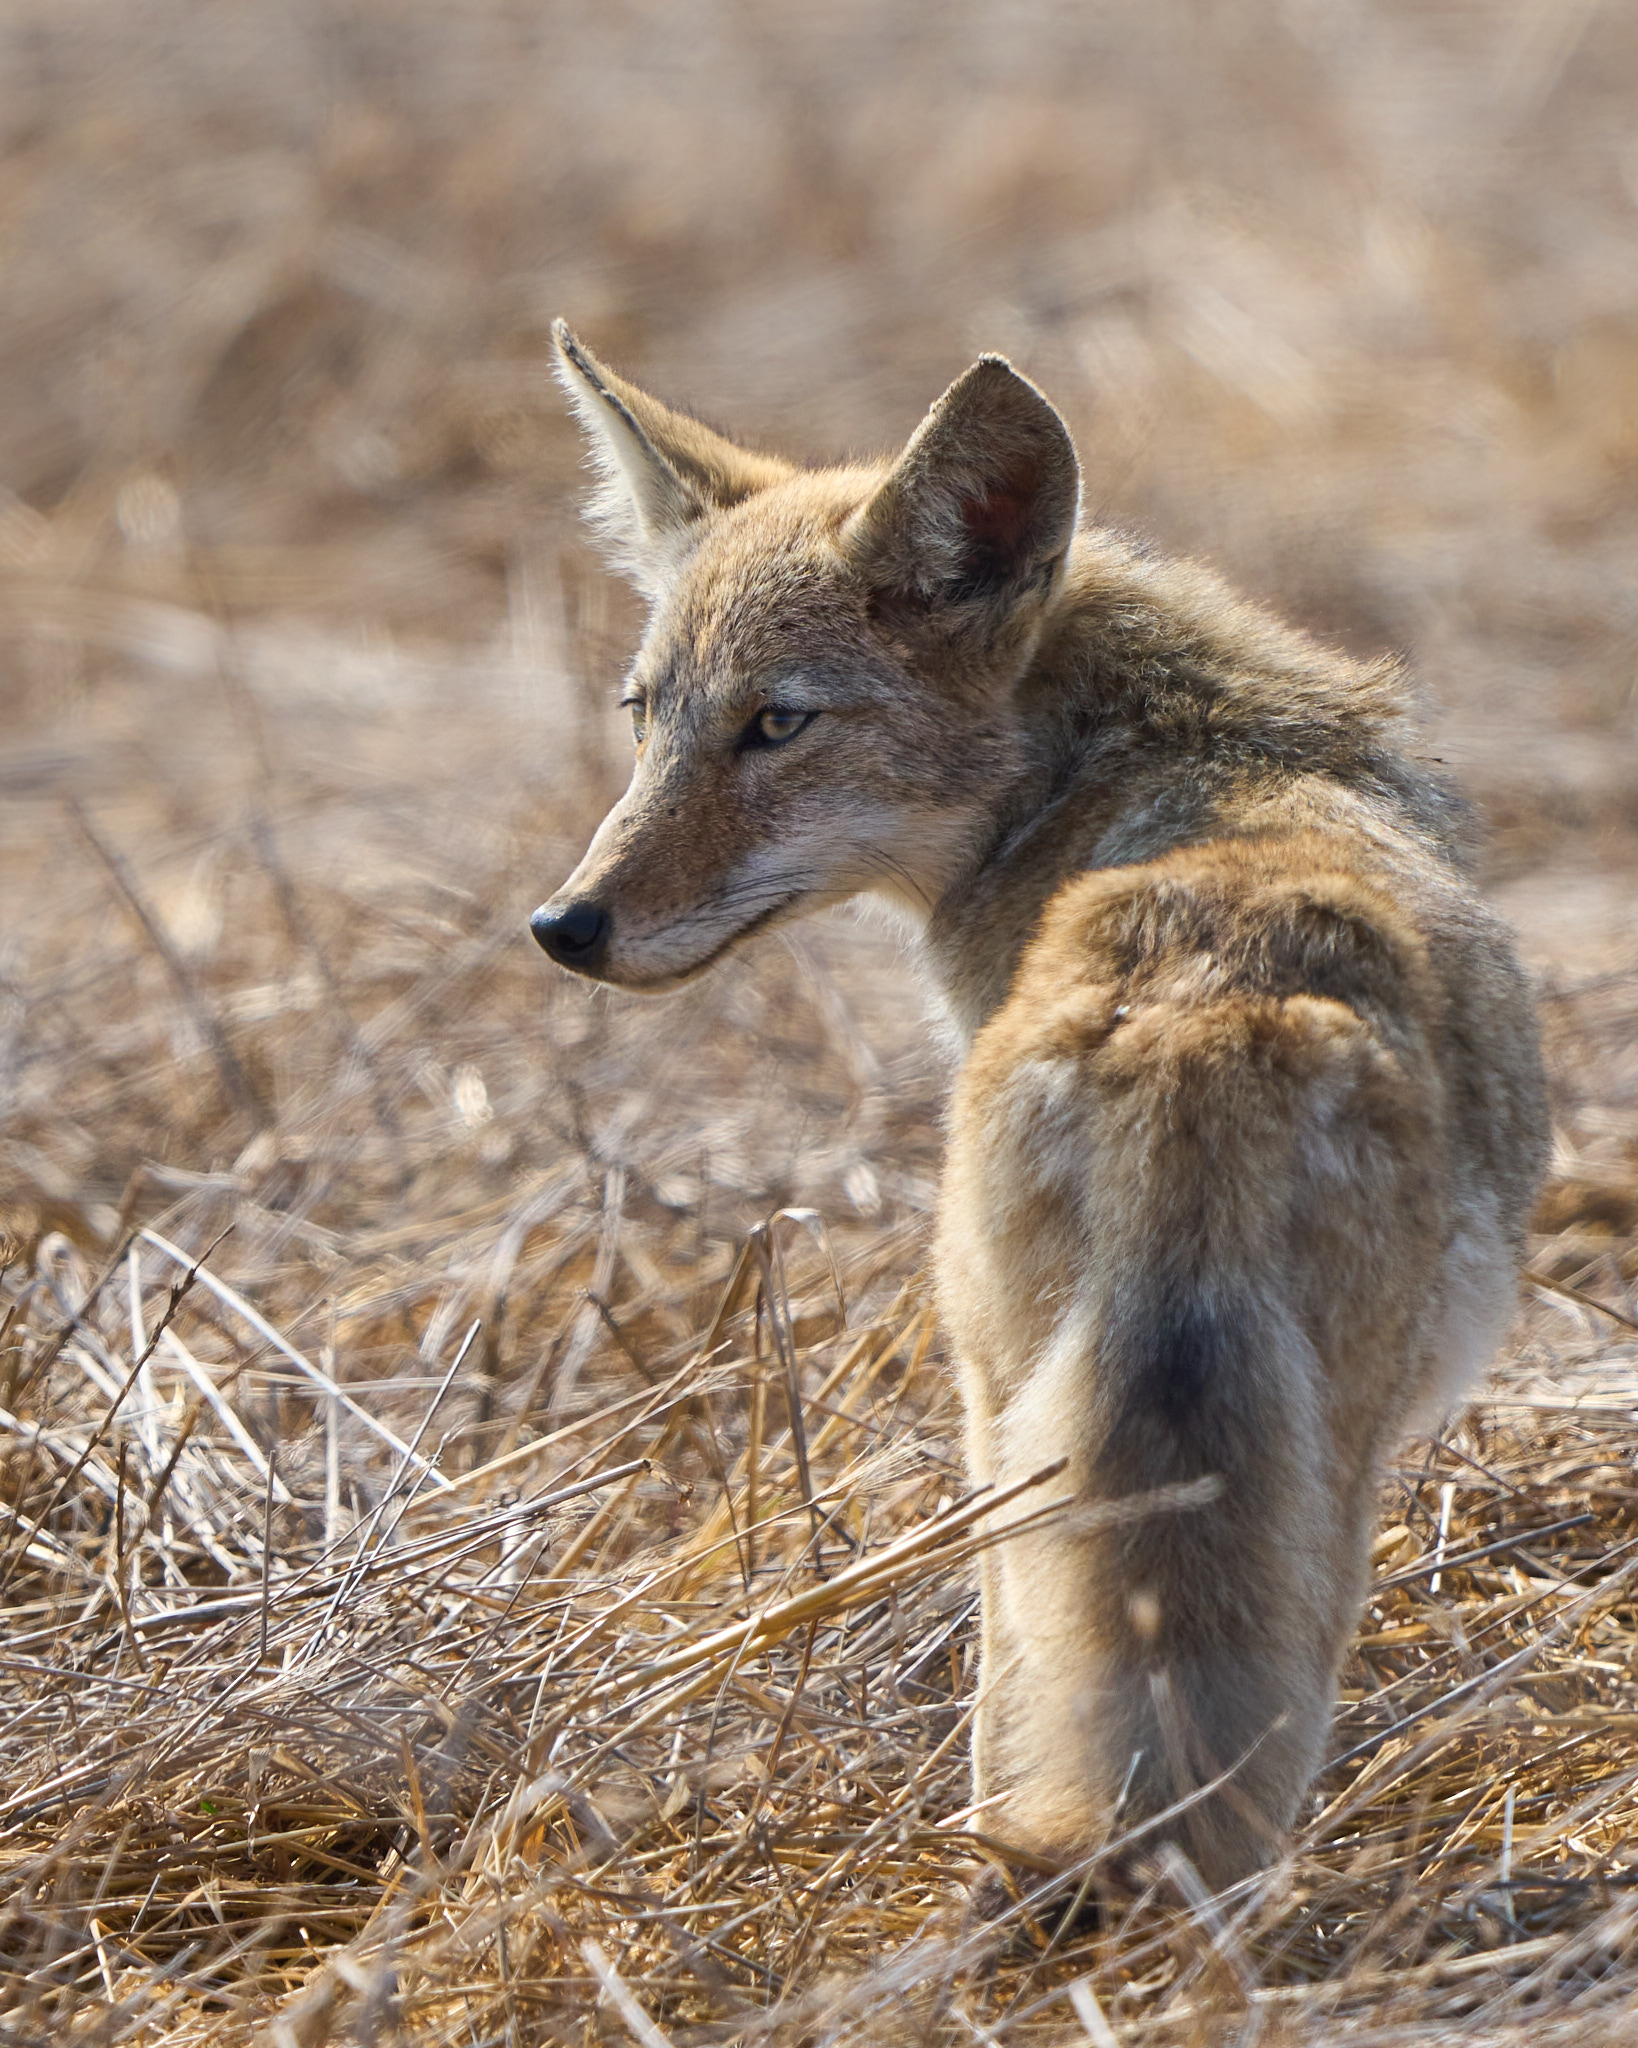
(355, 1691)
(332, 1709)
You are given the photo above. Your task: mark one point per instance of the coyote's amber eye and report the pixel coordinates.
(774, 727)
(639, 719)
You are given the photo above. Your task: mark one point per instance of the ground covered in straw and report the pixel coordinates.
(469, 1601)
(484, 1556)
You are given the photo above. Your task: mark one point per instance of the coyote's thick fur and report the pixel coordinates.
(1250, 1112)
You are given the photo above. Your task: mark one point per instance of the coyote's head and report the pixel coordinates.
(822, 699)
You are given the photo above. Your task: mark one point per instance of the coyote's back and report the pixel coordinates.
(1250, 1113)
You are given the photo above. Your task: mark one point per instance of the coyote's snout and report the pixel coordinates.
(1250, 1116)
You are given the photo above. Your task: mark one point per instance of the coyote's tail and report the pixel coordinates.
(1221, 1624)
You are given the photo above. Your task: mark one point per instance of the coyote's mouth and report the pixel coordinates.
(608, 970)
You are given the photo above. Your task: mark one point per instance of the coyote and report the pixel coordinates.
(1250, 1109)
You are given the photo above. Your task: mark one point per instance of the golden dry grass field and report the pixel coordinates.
(606, 1677)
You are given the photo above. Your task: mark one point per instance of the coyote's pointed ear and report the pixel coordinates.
(660, 473)
(982, 503)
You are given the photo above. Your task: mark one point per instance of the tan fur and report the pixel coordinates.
(1250, 1114)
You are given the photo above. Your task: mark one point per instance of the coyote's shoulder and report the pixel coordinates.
(1250, 1110)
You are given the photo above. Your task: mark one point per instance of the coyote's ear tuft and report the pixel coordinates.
(982, 501)
(660, 473)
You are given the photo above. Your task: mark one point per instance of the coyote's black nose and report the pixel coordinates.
(576, 936)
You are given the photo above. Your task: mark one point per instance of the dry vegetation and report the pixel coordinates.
(365, 1679)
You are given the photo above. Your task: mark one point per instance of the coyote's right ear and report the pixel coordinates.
(982, 504)
(660, 473)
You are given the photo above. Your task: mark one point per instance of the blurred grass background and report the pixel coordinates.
(1341, 296)
(306, 669)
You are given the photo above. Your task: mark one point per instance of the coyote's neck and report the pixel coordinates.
(1027, 847)
(1156, 705)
